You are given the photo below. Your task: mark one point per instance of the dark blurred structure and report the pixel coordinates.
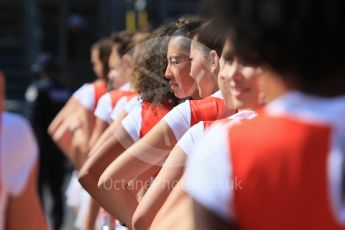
(67, 28)
(46, 96)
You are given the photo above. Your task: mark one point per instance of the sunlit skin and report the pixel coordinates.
(173, 167)
(178, 70)
(157, 144)
(120, 68)
(268, 86)
(238, 82)
(204, 68)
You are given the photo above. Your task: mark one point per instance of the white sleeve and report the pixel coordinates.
(179, 119)
(120, 105)
(188, 142)
(87, 99)
(208, 174)
(80, 92)
(132, 123)
(20, 152)
(103, 109)
(134, 102)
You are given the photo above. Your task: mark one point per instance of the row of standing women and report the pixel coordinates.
(140, 149)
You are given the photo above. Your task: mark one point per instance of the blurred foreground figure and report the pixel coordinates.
(283, 169)
(46, 97)
(19, 203)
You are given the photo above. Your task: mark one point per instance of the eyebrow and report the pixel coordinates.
(179, 57)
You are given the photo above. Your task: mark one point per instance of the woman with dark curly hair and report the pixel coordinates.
(156, 100)
(145, 163)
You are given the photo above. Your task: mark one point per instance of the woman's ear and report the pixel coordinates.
(214, 58)
(128, 61)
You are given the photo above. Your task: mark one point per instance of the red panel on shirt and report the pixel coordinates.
(208, 109)
(117, 94)
(100, 90)
(151, 114)
(281, 164)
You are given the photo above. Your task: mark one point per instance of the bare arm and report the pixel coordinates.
(177, 211)
(160, 189)
(25, 211)
(100, 127)
(64, 134)
(93, 209)
(146, 155)
(81, 137)
(108, 133)
(66, 111)
(180, 211)
(206, 220)
(97, 163)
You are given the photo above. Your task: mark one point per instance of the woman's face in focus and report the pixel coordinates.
(200, 71)
(178, 70)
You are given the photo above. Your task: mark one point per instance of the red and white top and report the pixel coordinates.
(190, 140)
(189, 113)
(282, 170)
(89, 94)
(142, 119)
(111, 100)
(125, 104)
(18, 155)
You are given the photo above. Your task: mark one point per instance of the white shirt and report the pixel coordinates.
(126, 105)
(104, 108)
(132, 123)
(190, 140)
(18, 152)
(179, 118)
(212, 187)
(86, 96)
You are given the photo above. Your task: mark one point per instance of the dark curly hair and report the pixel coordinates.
(151, 62)
(299, 38)
(103, 46)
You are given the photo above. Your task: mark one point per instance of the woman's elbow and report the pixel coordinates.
(140, 221)
(87, 178)
(104, 183)
(84, 176)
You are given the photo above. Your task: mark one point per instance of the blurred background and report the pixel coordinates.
(67, 28)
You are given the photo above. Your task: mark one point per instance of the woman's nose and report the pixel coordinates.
(168, 73)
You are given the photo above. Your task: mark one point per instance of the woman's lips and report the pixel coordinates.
(238, 92)
(173, 85)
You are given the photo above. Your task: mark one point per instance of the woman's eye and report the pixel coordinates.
(173, 62)
(228, 58)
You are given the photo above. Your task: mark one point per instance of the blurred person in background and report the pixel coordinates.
(47, 96)
(80, 125)
(19, 203)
